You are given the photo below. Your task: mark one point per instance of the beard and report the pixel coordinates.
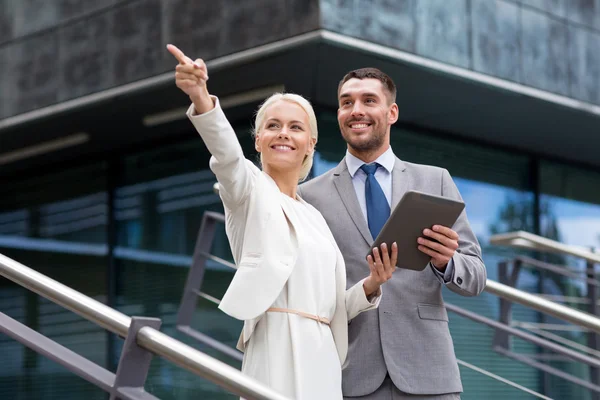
(370, 143)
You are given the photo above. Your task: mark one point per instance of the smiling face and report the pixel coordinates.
(365, 116)
(284, 137)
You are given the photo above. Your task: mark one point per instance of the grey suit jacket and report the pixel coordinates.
(408, 336)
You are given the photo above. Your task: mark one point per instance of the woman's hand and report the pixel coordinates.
(191, 77)
(382, 266)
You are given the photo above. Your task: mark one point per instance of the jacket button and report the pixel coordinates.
(459, 280)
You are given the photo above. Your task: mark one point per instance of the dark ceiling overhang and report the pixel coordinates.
(431, 95)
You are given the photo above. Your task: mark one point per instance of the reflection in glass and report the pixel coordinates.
(495, 187)
(573, 197)
(159, 207)
(56, 224)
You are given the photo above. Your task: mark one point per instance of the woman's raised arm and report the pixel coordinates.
(235, 174)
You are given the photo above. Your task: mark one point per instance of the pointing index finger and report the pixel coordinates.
(178, 54)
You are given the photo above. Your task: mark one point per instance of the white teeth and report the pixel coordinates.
(282, 148)
(359, 126)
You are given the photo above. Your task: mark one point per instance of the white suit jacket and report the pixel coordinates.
(262, 236)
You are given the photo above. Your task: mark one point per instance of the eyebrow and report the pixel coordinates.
(291, 122)
(366, 94)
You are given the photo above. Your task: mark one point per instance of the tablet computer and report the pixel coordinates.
(415, 212)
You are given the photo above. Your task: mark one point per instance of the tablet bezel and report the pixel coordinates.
(415, 212)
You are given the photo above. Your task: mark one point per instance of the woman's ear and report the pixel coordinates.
(257, 142)
(311, 146)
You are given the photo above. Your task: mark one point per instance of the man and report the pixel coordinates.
(403, 350)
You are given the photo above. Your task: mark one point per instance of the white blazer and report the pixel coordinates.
(262, 235)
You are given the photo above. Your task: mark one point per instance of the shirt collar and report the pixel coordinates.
(386, 160)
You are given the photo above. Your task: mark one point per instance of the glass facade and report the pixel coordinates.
(570, 198)
(159, 202)
(57, 225)
(124, 233)
(497, 190)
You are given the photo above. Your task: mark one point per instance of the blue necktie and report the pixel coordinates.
(378, 209)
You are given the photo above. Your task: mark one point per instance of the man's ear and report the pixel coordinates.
(394, 112)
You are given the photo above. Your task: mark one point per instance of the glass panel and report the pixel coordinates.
(56, 225)
(495, 187)
(159, 207)
(571, 198)
(478, 385)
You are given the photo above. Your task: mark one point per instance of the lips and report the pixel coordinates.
(282, 147)
(359, 125)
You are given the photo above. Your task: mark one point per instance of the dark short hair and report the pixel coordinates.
(371, 73)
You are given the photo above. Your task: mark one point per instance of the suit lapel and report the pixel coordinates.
(345, 188)
(399, 182)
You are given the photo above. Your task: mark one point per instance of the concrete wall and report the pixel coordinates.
(547, 44)
(52, 51)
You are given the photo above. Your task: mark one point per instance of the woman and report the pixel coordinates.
(290, 286)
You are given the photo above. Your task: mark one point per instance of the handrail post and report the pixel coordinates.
(142, 340)
(593, 339)
(206, 235)
(191, 291)
(502, 338)
(134, 363)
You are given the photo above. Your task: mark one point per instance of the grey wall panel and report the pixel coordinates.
(210, 29)
(340, 16)
(84, 62)
(585, 12)
(443, 31)
(254, 23)
(68, 9)
(544, 52)
(136, 46)
(7, 20)
(33, 75)
(7, 17)
(525, 41)
(495, 38)
(34, 15)
(388, 22)
(584, 64)
(557, 8)
(67, 48)
(90, 46)
(303, 16)
(6, 98)
(196, 27)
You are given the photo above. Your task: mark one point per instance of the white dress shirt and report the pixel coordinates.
(383, 175)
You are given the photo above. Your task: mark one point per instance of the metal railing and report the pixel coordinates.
(545, 339)
(206, 235)
(526, 240)
(541, 304)
(142, 340)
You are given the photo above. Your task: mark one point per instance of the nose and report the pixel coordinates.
(283, 134)
(357, 109)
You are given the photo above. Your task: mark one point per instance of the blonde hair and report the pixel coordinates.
(312, 124)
